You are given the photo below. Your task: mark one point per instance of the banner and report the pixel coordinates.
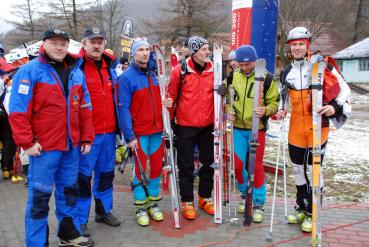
(255, 22)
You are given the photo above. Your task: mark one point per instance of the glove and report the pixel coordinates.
(221, 90)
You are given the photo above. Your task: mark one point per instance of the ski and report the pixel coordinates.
(317, 98)
(218, 136)
(258, 98)
(169, 164)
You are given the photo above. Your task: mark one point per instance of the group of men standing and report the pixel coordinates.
(65, 112)
(52, 120)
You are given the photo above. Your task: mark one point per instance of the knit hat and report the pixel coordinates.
(195, 43)
(232, 55)
(138, 43)
(246, 53)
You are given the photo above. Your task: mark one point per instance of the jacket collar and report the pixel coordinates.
(69, 60)
(191, 66)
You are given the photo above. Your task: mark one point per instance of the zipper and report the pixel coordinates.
(151, 98)
(244, 98)
(56, 77)
(103, 93)
(302, 101)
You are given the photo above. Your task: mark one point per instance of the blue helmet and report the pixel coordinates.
(246, 53)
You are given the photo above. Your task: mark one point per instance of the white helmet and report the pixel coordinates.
(33, 49)
(17, 54)
(298, 33)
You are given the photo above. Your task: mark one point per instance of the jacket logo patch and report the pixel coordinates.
(25, 81)
(23, 89)
(75, 100)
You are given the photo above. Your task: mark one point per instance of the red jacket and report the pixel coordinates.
(100, 86)
(195, 104)
(40, 112)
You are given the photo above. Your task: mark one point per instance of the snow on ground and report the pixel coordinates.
(346, 162)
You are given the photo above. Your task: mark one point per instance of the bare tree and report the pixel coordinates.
(316, 15)
(183, 18)
(25, 21)
(67, 15)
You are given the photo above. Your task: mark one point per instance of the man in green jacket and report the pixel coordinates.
(241, 115)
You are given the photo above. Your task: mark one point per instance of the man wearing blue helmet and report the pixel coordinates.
(241, 115)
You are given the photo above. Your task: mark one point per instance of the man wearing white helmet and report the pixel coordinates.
(296, 82)
(18, 57)
(232, 60)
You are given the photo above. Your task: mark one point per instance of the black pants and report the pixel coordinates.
(9, 147)
(303, 157)
(187, 137)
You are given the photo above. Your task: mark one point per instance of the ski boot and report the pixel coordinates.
(207, 205)
(298, 217)
(142, 218)
(258, 213)
(6, 174)
(307, 225)
(188, 210)
(241, 205)
(154, 210)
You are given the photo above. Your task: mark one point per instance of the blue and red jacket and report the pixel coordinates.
(101, 83)
(139, 102)
(40, 112)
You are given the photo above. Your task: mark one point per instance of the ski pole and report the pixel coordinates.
(270, 233)
(143, 178)
(123, 164)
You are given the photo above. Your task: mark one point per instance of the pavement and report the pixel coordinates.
(344, 224)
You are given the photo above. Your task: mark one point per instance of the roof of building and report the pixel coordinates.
(358, 50)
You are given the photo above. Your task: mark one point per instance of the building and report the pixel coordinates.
(354, 62)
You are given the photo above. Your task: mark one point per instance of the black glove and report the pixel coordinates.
(221, 90)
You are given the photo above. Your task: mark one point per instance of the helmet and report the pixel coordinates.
(33, 49)
(232, 55)
(298, 33)
(17, 54)
(7, 58)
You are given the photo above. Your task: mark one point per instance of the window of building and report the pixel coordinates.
(365, 11)
(364, 64)
(340, 64)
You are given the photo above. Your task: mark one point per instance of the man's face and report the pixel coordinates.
(142, 55)
(233, 63)
(94, 48)
(203, 54)
(247, 67)
(56, 48)
(298, 49)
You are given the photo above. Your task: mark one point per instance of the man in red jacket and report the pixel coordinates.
(100, 78)
(50, 115)
(194, 97)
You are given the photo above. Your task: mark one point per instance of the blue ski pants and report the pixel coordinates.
(100, 161)
(242, 140)
(52, 170)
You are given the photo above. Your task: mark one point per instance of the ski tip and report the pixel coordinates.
(269, 236)
(218, 47)
(261, 62)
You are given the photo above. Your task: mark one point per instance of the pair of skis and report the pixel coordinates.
(218, 135)
(169, 162)
(317, 71)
